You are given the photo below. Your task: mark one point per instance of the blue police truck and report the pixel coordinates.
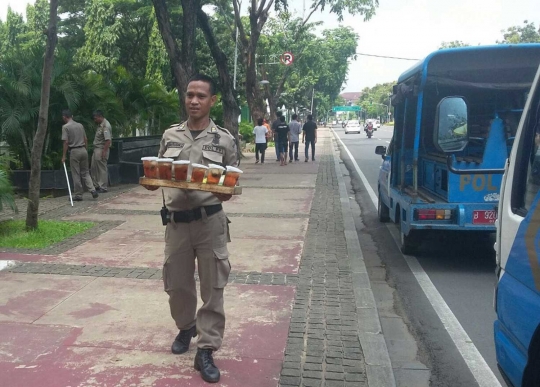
(456, 115)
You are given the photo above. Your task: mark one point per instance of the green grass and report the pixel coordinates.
(49, 232)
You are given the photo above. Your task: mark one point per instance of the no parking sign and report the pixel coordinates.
(287, 58)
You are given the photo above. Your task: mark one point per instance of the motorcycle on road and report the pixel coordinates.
(369, 129)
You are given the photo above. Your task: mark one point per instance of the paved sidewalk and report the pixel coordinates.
(92, 311)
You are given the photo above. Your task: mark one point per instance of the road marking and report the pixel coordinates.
(388, 142)
(474, 360)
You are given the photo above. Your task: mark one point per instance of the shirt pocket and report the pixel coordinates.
(213, 157)
(172, 153)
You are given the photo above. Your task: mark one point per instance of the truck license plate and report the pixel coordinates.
(484, 217)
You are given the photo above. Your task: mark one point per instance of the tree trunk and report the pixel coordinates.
(175, 56)
(39, 139)
(231, 110)
(189, 35)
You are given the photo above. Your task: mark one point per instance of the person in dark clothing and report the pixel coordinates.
(283, 133)
(274, 130)
(309, 135)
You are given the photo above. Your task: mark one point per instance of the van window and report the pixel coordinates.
(527, 170)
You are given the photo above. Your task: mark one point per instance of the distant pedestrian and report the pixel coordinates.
(310, 136)
(260, 132)
(283, 133)
(274, 131)
(296, 129)
(102, 143)
(75, 141)
(269, 134)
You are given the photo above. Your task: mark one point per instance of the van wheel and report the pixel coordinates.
(531, 377)
(383, 211)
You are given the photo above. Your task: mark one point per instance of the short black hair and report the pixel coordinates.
(97, 113)
(294, 116)
(310, 117)
(260, 121)
(282, 118)
(67, 113)
(279, 114)
(205, 79)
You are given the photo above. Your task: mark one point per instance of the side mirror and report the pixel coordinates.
(380, 150)
(451, 133)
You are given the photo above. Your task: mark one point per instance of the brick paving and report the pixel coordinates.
(235, 277)
(323, 348)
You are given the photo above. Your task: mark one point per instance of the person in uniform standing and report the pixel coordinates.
(198, 229)
(75, 141)
(102, 143)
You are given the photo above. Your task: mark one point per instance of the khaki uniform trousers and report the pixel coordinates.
(78, 161)
(98, 169)
(206, 240)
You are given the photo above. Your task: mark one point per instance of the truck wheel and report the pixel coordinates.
(383, 211)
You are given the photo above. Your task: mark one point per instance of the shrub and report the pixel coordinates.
(246, 130)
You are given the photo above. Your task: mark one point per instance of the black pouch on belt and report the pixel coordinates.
(165, 214)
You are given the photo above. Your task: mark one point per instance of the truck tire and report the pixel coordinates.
(409, 243)
(383, 211)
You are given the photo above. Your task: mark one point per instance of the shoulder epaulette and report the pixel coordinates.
(224, 130)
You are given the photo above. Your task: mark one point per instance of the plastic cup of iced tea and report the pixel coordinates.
(231, 176)
(150, 167)
(165, 169)
(214, 173)
(180, 170)
(198, 172)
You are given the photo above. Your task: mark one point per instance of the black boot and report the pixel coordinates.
(205, 364)
(181, 343)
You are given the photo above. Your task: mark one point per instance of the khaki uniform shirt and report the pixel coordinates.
(103, 133)
(74, 133)
(213, 145)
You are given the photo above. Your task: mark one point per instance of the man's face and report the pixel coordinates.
(98, 119)
(199, 99)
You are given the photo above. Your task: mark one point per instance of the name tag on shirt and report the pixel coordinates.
(213, 148)
(173, 144)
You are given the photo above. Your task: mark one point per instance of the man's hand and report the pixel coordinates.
(104, 155)
(223, 197)
(150, 187)
(315, 141)
(302, 141)
(63, 159)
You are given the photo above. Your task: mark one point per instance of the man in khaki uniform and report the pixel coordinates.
(102, 142)
(198, 229)
(75, 140)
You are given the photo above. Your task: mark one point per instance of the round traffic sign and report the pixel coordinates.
(287, 58)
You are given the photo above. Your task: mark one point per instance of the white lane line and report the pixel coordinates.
(474, 360)
(388, 142)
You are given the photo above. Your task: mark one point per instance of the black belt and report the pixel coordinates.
(195, 214)
(75, 147)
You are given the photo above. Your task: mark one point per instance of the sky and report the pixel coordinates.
(408, 29)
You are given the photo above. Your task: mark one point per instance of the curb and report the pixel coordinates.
(378, 365)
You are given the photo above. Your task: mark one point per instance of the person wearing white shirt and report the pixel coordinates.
(260, 140)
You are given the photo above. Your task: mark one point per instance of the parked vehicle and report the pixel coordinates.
(456, 114)
(517, 295)
(353, 126)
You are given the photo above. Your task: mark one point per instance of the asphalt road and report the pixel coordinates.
(461, 268)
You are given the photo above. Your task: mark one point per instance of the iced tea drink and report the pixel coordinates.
(198, 172)
(232, 176)
(180, 170)
(150, 167)
(165, 169)
(214, 173)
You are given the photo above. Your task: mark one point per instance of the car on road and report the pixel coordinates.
(353, 126)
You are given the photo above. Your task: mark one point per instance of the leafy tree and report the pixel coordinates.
(259, 15)
(6, 190)
(453, 44)
(39, 138)
(527, 33)
(375, 100)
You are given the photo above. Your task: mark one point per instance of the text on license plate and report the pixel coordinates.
(484, 216)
